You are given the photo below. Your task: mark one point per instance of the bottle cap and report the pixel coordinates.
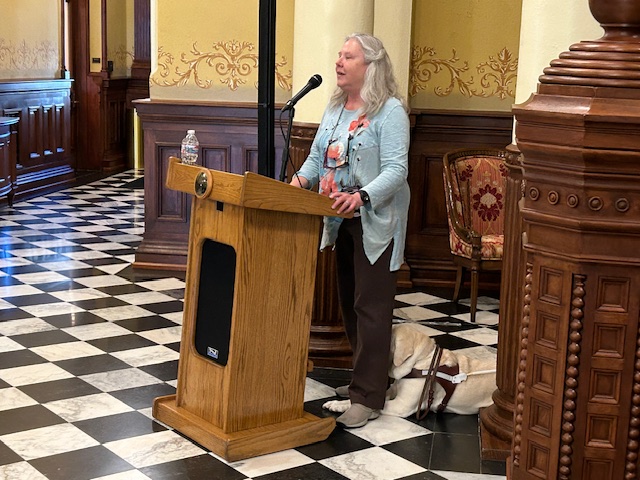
(191, 132)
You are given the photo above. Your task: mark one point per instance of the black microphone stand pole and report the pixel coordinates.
(285, 152)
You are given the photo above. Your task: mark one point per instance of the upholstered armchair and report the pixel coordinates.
(474, 185)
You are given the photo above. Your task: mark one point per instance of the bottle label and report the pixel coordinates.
(189, 153)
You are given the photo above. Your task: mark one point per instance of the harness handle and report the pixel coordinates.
(428, 384)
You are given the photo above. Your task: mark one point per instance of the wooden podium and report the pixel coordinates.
(253, 245)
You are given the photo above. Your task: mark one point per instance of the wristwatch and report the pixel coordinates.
(364, 196)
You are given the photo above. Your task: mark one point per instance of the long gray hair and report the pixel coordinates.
(379, 81)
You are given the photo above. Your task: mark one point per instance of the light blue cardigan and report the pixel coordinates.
(378, 163)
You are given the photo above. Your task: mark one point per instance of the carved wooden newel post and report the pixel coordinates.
(496, 421)
(577, 405)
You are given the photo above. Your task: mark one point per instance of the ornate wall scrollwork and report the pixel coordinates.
(42, 55)
(123, 58)
(232, 63)
(497, 75)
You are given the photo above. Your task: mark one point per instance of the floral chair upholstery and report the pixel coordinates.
(474, 185)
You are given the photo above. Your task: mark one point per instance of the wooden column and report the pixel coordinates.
(496, 421)
(577, 405)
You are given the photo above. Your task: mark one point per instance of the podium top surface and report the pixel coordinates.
(250, 190)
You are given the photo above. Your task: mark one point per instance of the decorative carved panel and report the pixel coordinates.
(604, 387)
(540, 417)
(42, 135)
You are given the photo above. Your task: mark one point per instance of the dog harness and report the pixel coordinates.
(447, 377)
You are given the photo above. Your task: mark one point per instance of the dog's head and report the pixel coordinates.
(411, 347)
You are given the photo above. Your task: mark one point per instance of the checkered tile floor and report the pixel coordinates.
(86, 344)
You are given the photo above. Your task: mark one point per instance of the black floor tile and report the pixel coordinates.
(8, 456)
(74, 319)
(27, 418)
(164, 371)
(492, 467)
(141, 324)
(19, 358)
(452, 342)
(94, 364)
(123, 342)
(416, 450)
(98, 303)
(117, 427)
(38, 339)
(452, 423)
(200, 467)
(81, 464)
(142, 397)
(122, 289)
(313, 471)
(338, 443)
(60, 286)
(29, 300)
(13, 314)
(59, 389)
(165, 307)
(447, 449)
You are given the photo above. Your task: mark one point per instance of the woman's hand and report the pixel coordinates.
(346, 202)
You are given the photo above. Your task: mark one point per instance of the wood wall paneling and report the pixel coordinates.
(228, 141)
(44, 160)
(7, 158)
(434, 133)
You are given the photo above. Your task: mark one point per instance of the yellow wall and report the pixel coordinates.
(95, 35)
(465, 54)
(208, 51)
(120, 35)
(29, 39)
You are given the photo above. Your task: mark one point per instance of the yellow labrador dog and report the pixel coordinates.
(412, 351)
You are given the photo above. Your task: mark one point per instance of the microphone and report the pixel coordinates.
(313, 82)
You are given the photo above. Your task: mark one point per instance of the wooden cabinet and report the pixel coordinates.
(8, 157)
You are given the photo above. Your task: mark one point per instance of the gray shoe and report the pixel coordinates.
(343, 391)
(357, 416)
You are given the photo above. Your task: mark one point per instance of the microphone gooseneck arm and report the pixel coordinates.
(314, 82)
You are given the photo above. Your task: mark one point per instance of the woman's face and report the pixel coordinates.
(351, 67)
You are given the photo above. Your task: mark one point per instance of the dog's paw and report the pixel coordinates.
(338, 406)
(398, 408)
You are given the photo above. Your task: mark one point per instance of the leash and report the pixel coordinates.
(428, 384)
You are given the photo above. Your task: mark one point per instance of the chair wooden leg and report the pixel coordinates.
(456, 291)
(474, 293)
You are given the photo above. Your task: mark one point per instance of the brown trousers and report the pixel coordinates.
(367, 297)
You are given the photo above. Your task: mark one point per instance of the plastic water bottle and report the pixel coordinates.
(189, 148)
